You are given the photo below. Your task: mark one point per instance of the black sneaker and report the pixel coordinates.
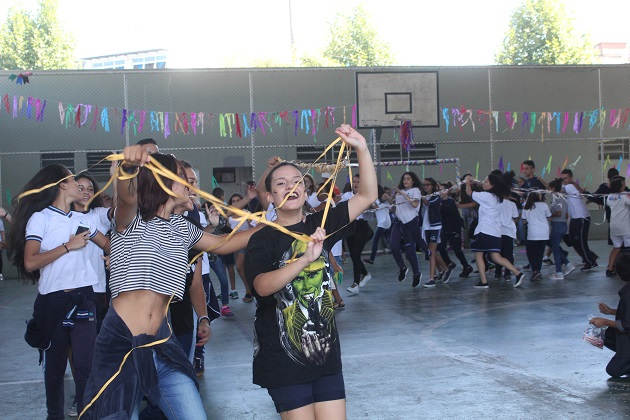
(416, 279)
(527, 267)
(519, 280)
(467, 271)
(429, 284)
(507, 277)
(402, 273)
(447, 274)
(610, 273)
(536, 276)
(481, 285)
(368, 260)
(547, 261)
(587, 267)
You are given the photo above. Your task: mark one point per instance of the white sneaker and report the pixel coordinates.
(570, 269)
(365, 279)
(556, 276)
(354, 289)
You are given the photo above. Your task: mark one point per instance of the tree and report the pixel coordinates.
(353, 41)
(35, 42)
(542, 32)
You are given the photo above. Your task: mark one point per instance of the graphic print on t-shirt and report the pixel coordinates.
(305, 309)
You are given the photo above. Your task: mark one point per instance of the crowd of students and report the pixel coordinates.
(109, 275)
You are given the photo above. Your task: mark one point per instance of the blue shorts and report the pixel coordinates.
(485, 243)
(432, 236)
(324, 388)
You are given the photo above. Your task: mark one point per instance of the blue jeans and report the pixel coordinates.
(558, 229)
(219, 269)
(378, 233)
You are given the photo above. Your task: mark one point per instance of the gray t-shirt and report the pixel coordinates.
(559, 203)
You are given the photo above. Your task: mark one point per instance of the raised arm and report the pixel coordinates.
(127, 190)
(368, 186)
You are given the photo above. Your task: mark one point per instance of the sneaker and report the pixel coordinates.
(507, 277)
(557, 276)
(447, 275)
(365, 279)
(234, 295)
(519, 280)
(427, 255)
(547, 261)
(226, 311)
(430, 283)
(481, 285)
(490, 266)
(72, 410)
(354, 289)
(402, 273)
(570, 269)
(416, 279)
(247, 298)
(609, 273)
(587, 267)
(467, 271)
(527, 267)
(536, 276)
(198, 365)
(440, 275)
(368, 260)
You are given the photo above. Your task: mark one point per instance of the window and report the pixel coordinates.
(161, 65)
(138, 66)
(149, 65)
(99, 169)
(394, 152)
(138, 60)
(120, 62)
(224, 175)
(62, 158)
(309, 154)
(613, 148)
(97, 65)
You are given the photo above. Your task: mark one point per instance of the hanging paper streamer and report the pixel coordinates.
(215, 184)
(574, 164)
(564, 164)
(21, 79)
(501, 168)
(422, 171)
(508, 167)
(619, 163)
(544, 170)
(476, 171)
(607, 163)
(406, 135)
(628, 171)
(440, 169)
(390, 179)
(9, 192)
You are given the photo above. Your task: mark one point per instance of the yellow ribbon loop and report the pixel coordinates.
(45, 187)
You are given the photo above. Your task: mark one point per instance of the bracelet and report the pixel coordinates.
(129, 169)
(201, 318)
(67, 250)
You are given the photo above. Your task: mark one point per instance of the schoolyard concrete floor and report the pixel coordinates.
(452, 352)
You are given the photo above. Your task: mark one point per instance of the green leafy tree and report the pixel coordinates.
(542, 32)
(35, 41)
(353, 41)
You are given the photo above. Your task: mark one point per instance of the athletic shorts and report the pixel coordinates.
(324, 388)
(485, 243)
(620, 240)
(432, 236)
(228, 259)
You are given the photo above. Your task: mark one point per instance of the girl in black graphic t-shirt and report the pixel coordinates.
(296, 352)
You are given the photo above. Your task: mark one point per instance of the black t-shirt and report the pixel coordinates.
(182, 317)
(289, 321)
(451, 219)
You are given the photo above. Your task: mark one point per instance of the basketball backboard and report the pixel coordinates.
(385, 99)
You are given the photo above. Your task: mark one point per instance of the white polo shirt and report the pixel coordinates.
(52, 227)
(507, 213)
(537, 221)
(98, 219)
(488, 213)
(577, 208)
(404, 210)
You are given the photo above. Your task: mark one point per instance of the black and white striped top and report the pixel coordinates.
(152, 255)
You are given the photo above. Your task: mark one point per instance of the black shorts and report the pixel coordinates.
(485, 243)
(228, 259)
(324, 388)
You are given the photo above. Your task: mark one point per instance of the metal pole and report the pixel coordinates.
(251, 111)
(126, 107)
(490, 125)
(601, 126)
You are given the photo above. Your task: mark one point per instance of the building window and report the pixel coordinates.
(149, 65)
(394, 152)
(161, 65)
(613, 148)
(309, 154)
(62, 158)
(224, 175)
(97, 166)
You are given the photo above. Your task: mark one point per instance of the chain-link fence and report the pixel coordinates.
(229, 122)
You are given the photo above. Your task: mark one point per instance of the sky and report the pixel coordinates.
(234, 33)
